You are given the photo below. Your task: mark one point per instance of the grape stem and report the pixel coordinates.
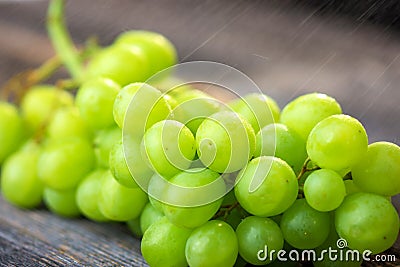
(61, 39)
(15, 88)
(224, 211)
(305, 168)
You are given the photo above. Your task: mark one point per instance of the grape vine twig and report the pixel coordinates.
(61, 40)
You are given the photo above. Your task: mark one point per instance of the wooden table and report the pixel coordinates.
(287, 49)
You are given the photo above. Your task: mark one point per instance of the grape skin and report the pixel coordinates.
(337, 142)
(225, 142)
(12, 128)
(304, 112)
(367, 221)
(379, 171)
(267, 186)
(213, 244)
(163, 244)
(21, 185)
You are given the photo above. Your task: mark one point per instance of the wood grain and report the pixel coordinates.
(287, 49)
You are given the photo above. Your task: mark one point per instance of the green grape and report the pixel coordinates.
(141, 105)
(280, 141)
(11, 134)
(324, 190)
(19, 182)
(304, 112)
(62, 203)
(128, 166)
(351, 188)
(67, 122)
(225, 142)
(119, 168)
(149, 216)
(87, 195)
(95, 100)
(193, 106)
(258, 109)
(163, 244)
(169, 146)
(156, 188)
(120, 203)
(121, 64)
(104, 141)
(254, 233)
(304, 227)
(367, 221)
(39, 104)
(212, 244)
(134, 227)
(343, 257)
(337, 142)
(267, 186)
(64, 163)
(379, 170)
(193, 197)
(159, 51)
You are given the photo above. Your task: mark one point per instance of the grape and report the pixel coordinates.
(87, 195)
(95, 100)
(141, 105)
(193, 197)
(254, 233)
(193, 106)
(119, 203)
(39, 104)
(304, 227)
(11, 134)
(324, 190)
(64, 163)
(303, 113)
(351, 187)
(62, 203)
(212, 244)
(379, 171)
(267, 186)
(156, 188)
(119, 168)
(163, 244)
(159, 51)
(121, 64)
(225, 142)
(67, 122)
(169, 147)
(19, 182)
(134, 226)
(337, 142)
(367, 221)
(280, 141)
(329, 261)
(149, 216)
(135, 171)
(258, 109)
(104, 141)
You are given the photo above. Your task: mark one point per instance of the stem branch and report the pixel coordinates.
(61, 40)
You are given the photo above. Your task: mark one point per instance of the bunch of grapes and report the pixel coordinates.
(204, 183)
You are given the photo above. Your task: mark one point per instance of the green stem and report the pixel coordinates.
(61, 40)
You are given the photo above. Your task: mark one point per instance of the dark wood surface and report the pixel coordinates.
(287, 49)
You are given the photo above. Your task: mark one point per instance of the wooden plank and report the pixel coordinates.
(43, 239)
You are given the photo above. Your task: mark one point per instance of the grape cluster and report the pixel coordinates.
(204, 183)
